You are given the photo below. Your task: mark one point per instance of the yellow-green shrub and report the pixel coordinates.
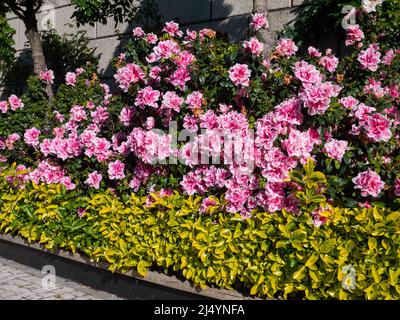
(270, 255)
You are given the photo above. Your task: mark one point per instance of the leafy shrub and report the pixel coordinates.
(7, 51)
(63, 53)
(278, 255)
(68, 52)
(308, 30)
(342, 113)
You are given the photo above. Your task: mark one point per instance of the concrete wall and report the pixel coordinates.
(231, 16)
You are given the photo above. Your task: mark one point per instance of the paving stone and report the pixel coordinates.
(20, 282)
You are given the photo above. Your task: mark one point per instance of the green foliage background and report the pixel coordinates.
(271, 255)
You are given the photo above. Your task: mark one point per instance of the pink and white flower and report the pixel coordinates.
(94, 180)
(116, 170)
(47, 76)
(15, 102)
(31, 137)
(254, 46)
(370, 58)
(369, 182)
(336, 149)
(240, 74)
(172, 28)
(147, 97)
(259, 21)
(286, 47)
(70, 79)
(128, 75)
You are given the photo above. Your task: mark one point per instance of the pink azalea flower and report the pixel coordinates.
(47, 76)
(147, 97)
(172, 28)
(155, 73)
(94, 180)
(116, 170)
(67, 182)
(31, 137)
(315, 98)
(81, 212)
(165, 49)
(11, 139)
(126, 115)
(313, 52)
(15, 102)
(179, 78)
(190, 123)
(70, 79)
(378, 128)
(388, 58)
(259, 21)
(307, 73)
(300, 144)
(370, 58)
(336, 149)
(369, 182)
(150, 123)
(79, 71)
(349, 102)
(206, 203)
(190, 35)
(240, 74)
(128, 75)
(138, 32)
(286, 47)
(254, 46)
(397, 187)
(194, 100)
(58, 116)
(3, 106)
(151, 38)
(171, 101)
(329, 62)
(78, 113)
(354, 35)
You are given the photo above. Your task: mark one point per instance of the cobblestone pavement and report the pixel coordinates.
(20, 282)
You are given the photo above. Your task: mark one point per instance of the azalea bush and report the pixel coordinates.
(337, 14)
(205, 116)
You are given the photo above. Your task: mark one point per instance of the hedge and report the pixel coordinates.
(278, 255)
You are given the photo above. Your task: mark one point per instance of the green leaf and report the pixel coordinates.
(312, 260)
(327, 246)
(142, 268)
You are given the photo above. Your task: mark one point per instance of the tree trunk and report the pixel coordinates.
(33, 36)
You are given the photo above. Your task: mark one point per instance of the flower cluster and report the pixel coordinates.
(250, 122)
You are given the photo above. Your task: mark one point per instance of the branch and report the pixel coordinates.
(38, 6)
(18, 11)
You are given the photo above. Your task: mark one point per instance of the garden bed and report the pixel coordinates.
(274, 175)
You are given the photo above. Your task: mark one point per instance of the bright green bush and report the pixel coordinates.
(270, 255)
